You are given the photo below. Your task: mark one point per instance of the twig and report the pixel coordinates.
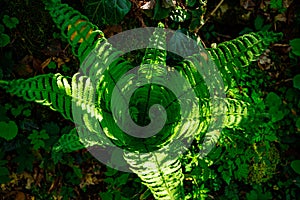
(212, 13)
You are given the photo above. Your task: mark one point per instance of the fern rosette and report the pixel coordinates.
(148, 114)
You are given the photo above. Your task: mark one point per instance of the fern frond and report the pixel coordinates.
(68, 143)
(82, 35)
(156, 51)
(231, 55)
(237, 111)
(52, 90)
(160, 172)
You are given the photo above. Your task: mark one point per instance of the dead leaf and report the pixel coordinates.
(247, 4)
(112, 30)
(20, 196)
(168, 3)
(45, 64)
(280, 17)
(53, 48)
(148, 6)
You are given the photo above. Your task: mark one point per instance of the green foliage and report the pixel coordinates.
(191, 14)
(5, 39)
(264, 164)
(295, 44)
(296, 81)
(278, 5)
(38, 139)
(115, 181)
(274, 103)
(52, 65)
(179, 15)
(231, 56)
(257, 193)
(295, 164)
(24, 160)
(166, 178)
(259, 24)
(160, 10)
(106, 11)
(9, 130)
(4, 173)
(10, 22)
(50, 90)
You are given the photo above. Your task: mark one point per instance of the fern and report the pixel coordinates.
(89, 95)
(51, 90)
(82, 35)
(231, 56)
(159, 171)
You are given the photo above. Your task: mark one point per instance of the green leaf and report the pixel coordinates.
(37, 138)
(52, 65)
(77, 171)
(4, 40)
(226, 177)
(295, 44)
(197, 19)
(295, 164)
(159, 11)
(4, 179)
(1, 28)
(106, 11)
(10, 22)
(4, 171)
(266, 27)
(122, 180)
(277, 4)
(8, 130)
(298, 122)
(24, 160)
(296, 81)
(110, 171)
(3, 116)
(273, 100)
(106, 195)
(38, 144)
(190, 3)
(259, 22)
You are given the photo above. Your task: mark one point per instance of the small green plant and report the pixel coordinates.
(4, 38)
(115, 181)
(10, 23)
(278, 5)
(38, 138)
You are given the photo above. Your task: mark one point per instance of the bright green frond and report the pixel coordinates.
(52, 90)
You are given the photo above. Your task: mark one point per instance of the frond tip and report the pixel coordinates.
(52, 90)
